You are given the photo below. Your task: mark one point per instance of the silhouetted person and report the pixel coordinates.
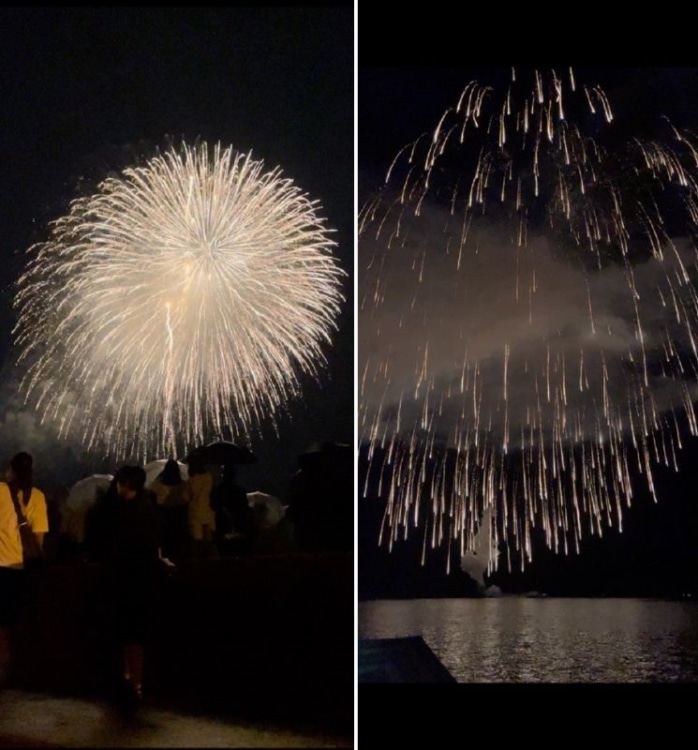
(201, 517)
(55, 503)
(171, 502)
(132, 569)
(13, 576)
(100, 520)
(233, 513)
(320, 499)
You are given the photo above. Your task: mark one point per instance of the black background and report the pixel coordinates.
(657, 552)
(83, 89)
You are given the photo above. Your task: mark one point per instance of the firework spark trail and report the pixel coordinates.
(181, 298)
(529, 315)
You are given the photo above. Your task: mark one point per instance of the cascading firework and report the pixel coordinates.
(184, 296)
(528, 318)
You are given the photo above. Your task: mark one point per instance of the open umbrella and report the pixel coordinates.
(84, 492)
(223, 452)
(153, 468)
(82, 496)
(266, 507)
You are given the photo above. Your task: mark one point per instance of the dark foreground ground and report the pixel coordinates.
(39, 720)
(252, 651)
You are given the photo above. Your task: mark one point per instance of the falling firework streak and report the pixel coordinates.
(528, 318)
(181, 298)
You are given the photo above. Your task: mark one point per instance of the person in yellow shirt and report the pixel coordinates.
(202, 519)
(19, 479)
(171, 503)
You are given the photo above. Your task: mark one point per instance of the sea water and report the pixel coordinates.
(510, 639)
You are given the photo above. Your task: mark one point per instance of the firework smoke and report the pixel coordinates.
(529, 318)
(183, 297)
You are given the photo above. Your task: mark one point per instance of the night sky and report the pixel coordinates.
(657, 553)
(83, 89)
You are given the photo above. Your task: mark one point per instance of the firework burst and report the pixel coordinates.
(184, 297)
(529, 318)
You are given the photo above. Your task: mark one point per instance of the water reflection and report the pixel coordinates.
(518, 639)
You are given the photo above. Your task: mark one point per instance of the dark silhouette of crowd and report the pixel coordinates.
(140, 535)
(320, 499)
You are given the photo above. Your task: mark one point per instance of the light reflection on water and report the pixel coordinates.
(519, 639)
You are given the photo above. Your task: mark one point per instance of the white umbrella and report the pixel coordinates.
(155, 467)
(82, 496)
(268, 507)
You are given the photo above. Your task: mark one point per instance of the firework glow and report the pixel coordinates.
(528, 319)
(183, 297)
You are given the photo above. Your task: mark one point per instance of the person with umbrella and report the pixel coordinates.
(99, 521)
(223, 452)
(233, 513)
(202, 519)
(227, 501)
(171, 502)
